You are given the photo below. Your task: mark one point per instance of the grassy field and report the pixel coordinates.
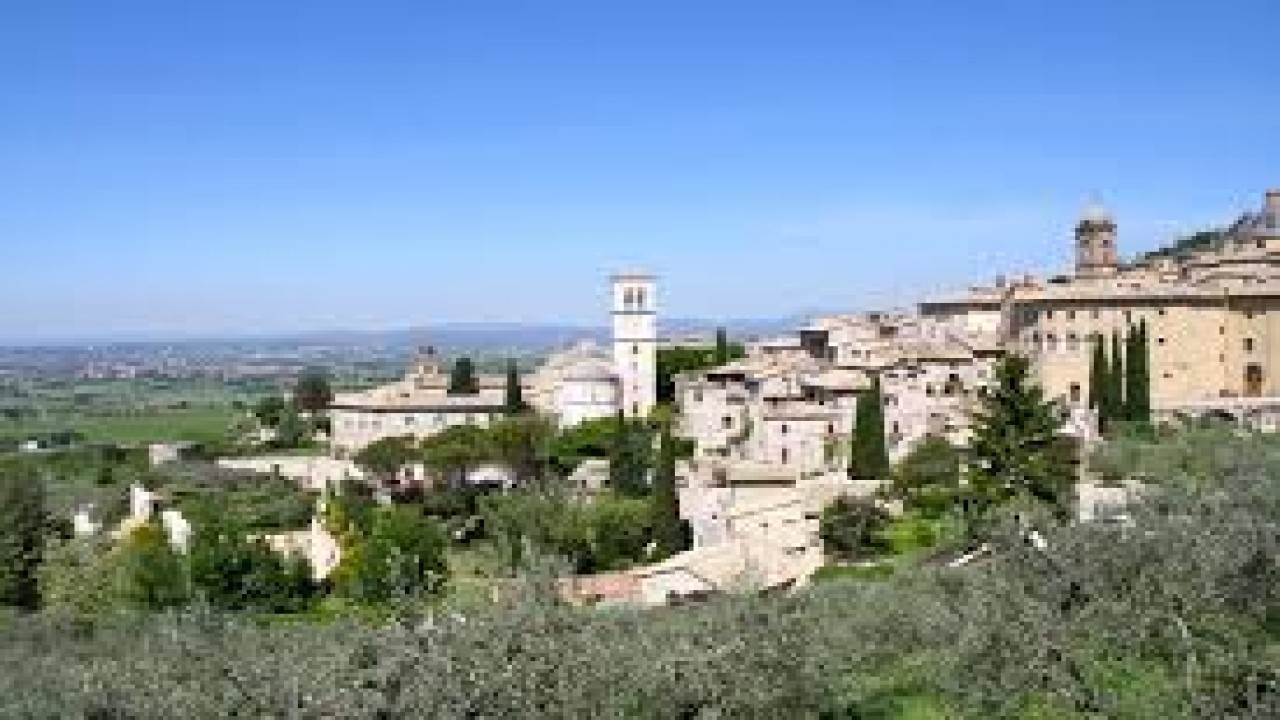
(195, 424)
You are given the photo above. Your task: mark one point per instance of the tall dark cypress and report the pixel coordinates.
(1138, 375)
(1098, 376)
(722, 351)
(462, 379)
(668, 530)
(1116, 389)
(514, 399)
(868, 452)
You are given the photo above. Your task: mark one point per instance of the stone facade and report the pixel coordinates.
(1212, 313)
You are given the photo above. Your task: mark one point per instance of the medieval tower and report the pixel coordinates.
(1096, 242)
(635, 341)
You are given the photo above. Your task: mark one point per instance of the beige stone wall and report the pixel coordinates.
(1199, 348)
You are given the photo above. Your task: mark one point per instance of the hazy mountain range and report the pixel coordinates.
(448, 337)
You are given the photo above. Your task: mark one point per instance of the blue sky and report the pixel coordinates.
(241, 166)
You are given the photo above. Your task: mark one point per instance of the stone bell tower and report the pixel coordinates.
(635, 341)
(1096, 242)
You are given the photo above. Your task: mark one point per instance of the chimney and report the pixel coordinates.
(1273, 199)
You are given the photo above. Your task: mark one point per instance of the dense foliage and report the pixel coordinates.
(1169, 616)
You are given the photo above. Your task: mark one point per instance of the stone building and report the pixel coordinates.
(578, 384)
(1212, 313)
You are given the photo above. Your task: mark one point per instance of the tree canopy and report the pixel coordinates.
(1016, 449)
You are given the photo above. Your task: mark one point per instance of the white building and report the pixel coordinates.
(578, 384)
(635, 341)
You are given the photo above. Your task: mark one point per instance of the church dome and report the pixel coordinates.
(1095, 213)
(591, 369)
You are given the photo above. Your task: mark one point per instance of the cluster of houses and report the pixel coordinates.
(770, 430)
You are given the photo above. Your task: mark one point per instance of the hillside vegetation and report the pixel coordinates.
(1176, 614)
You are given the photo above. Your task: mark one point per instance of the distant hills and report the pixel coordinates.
(447, 337)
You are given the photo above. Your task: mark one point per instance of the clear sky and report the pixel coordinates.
(250, 166)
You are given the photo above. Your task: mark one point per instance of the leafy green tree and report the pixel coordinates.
(513, 400)
(269, 410)
(588, 439)
(868, 452)
(385, 458)
(462, 378)
(928, 477)
(154, 575)
(522, 444)
(1138, 375)
(1016, 449)
(402, 556)
(313, 391)
(853, 528)
(234, 572)
(668, 529)
(456, 451)
(23, 524)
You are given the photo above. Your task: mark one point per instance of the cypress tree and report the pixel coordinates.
(668, 529)
(462, 378)
(514, 400)
(868, 452)
(1115, 378)
(1138, 375)
(22, 540)
(722, 353)
(626, 457)
(1098, 381)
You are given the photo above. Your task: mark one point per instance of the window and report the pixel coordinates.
(1073, 342)
(1071, 314)
(1159, 341)
(1095, 314)
(785, 428)
(1248, 344)
(1048, 314)
(1074, 392)
(727, 422)
(1248, 315)
(635, 349)
(786, 456)
(1160, 312)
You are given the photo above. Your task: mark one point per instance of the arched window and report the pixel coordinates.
(628, 299)
(640, 299)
